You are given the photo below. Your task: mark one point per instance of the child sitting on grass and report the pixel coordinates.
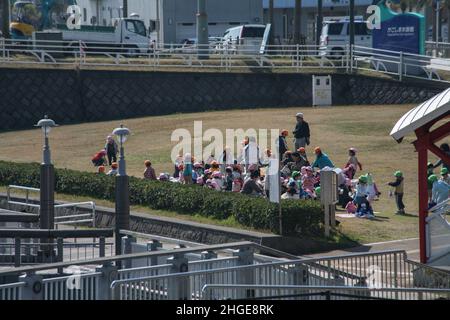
(149, 173)
(113, 171)
(364, 209)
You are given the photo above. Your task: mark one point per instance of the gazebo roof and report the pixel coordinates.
(421, 115)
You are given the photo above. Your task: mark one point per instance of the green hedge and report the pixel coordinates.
(304, 216)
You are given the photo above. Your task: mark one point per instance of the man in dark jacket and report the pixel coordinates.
(301, 132)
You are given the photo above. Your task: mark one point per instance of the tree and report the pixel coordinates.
(297, 22)
(6, 8)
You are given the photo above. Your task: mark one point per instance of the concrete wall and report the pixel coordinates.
(70, 96)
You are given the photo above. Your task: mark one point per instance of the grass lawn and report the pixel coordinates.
(334, 129)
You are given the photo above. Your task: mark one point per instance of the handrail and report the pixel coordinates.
(52, 233)
(105, 260)
(12, 285)
(207, 287)
(261, 265)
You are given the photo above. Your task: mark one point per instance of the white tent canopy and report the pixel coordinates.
(421, 115)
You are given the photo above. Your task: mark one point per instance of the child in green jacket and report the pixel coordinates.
(398, 184)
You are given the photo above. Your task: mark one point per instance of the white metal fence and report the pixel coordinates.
(12, 291)
(74, 287)
(74, 214)
(438, 232)
(286, 58)
(378, 270)
(292, 292)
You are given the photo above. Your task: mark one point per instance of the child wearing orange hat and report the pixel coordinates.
(101, 170)
(113, 171)
(322, 160)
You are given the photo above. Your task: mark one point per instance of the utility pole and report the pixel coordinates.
(6, 8)
(297, 21)
(319, 21)
(125, 8)
(438, 25)
(352, 24)
(202, 31)
(272, 34)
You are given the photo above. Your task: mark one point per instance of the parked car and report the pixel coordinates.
(245, 39)
(336, 36)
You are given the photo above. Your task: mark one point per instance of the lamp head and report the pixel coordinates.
(46, 124)
(122, 134)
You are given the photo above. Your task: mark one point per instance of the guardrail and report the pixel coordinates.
(18, 252)
(176, 280)
(27, 191)
(74, 287)
(61, 217)
(75, 219)
(12, 291)
(233, 57)
(324, 292)
(438, 49)
(438, 232)
(380, 270)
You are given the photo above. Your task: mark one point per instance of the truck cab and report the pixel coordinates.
(130, 33)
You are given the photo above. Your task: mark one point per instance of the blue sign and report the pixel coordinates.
(400, 33)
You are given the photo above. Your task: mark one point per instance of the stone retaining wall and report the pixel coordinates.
(73, 96)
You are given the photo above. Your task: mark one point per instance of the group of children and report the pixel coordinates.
(299, 178)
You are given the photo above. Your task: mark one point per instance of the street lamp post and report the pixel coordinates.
(122, 190)
(47, 190)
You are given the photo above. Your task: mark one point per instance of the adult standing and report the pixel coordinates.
(301, 132)
(111, 149)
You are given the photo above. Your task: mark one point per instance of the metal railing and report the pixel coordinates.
(62, 217)
(383, 270)
(275, 255)
(12, 291)
(323, 292)
(399, 64)
(438, 232)
(75, 218)
(232, 57)
(74, 287)
(438, 49)
(27, 191)
(24, 252)
(181, 279)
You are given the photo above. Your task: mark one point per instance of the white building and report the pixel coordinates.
(172, 21)
(284, 15)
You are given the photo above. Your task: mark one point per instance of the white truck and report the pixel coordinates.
(129, 34)
(336, 35)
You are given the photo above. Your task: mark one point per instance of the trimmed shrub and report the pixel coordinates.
(299, 216)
